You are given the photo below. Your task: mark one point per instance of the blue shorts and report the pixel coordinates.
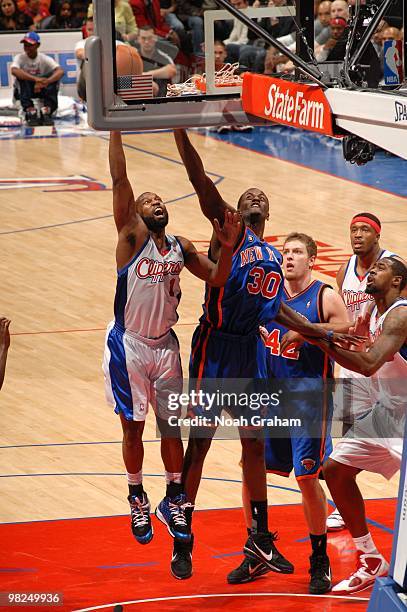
(225, 363)
(305, 447)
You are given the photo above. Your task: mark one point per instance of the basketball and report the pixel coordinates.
(128, 61)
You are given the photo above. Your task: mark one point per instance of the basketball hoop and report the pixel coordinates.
(195, 85)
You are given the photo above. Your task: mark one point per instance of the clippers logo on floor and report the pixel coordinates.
(75, 182)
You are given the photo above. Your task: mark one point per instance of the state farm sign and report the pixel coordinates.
(298, 105)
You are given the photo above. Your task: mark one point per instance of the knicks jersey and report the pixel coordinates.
(308, 361)
(353, 290)
(252, 293)
(148, 289)
(389, 382)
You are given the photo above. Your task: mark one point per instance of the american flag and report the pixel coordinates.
(135, 87)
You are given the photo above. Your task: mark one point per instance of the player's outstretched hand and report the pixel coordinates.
(229, 233)
(348, 341)
(4, 333)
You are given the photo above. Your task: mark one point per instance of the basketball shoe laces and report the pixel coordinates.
(140, 513)
(177, 510)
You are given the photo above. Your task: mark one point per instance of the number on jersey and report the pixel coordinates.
(273, 343)
(268, 284)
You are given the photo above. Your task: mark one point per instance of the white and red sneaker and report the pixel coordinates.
(335, 522)
(369, 567)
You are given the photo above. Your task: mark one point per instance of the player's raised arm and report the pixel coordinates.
(390, 341)
(123, 198)
(212, 204)
(215, 274)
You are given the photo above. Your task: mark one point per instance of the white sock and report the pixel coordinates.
(135, 479)
(173, 477)
(365, 544)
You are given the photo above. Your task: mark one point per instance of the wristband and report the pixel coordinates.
(330, 336)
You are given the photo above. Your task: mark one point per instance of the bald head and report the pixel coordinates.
(340, 8)
(324, 12)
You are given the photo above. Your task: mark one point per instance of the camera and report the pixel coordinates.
(357, 151)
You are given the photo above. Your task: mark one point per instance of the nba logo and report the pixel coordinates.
(393, 63)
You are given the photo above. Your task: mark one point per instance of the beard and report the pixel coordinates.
(371, 290)
(155, 224)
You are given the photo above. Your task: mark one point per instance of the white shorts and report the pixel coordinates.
(381, 457)
(353, 397)
(141, 371)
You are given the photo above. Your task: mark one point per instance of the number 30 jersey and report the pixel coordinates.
(252, 293)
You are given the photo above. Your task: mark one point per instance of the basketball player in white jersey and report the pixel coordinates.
(365, 231)
(375, 441)
(141, 361)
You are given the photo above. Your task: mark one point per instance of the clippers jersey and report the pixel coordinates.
(354, 288)
(252, 293)
(389, 382)
(148, 289)
(309, 361)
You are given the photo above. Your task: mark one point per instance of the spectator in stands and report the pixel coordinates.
(37, 76)
(87, 30)
(321, 23)
(378, 35)
(11, 18)
(238, 36)
(64, 19)
(190, 12)
(167, 11)
(253, 56)
(390, 33)
(124, 20)
(274, 62)
(37, 10)
(155, 61)
(148, 13)
(79, 8)
(340, 8)
(373, 71)
(220, 51)
(338, 26)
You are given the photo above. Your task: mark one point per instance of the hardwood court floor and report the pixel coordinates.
(60, 445)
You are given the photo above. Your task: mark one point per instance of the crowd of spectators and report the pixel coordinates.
(175, 30)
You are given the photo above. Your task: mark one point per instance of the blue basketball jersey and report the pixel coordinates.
(309, 361)
(252, 293)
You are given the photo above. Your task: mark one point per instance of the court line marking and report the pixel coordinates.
(212, 595)
(211, 478)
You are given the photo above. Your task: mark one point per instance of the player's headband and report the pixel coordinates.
(367, 220)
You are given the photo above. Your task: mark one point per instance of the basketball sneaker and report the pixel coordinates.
(261, 547)
(181, 562)
(247, 571)
(335, 522)
(171, 512)
(140, 518)
(46, 117)
(369, 567)
(31, 117)
(320, 571)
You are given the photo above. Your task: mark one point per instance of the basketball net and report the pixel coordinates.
(196, 84)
